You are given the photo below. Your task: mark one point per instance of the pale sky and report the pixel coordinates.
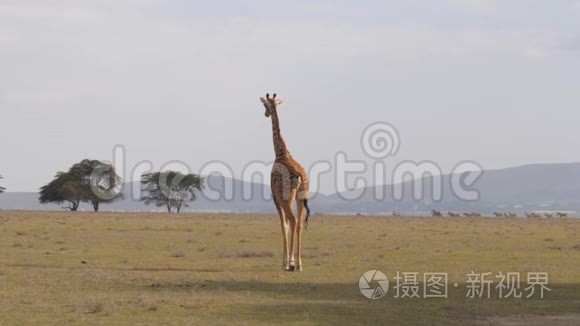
(496, 82)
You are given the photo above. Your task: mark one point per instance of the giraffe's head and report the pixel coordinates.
(270, 103)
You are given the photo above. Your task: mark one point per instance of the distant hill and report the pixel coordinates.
(545, 187)
(538, 187)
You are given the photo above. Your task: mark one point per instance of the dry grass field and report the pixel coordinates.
(160, 269)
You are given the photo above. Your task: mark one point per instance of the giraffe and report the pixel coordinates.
(289, 183)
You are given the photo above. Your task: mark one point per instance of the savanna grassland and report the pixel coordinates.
(160, 269)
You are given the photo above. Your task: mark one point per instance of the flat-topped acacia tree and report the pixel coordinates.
(171, 189)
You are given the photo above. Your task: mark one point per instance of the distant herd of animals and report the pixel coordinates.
(496, 214)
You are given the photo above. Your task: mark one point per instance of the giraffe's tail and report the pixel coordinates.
(303, 195)
(305, 201)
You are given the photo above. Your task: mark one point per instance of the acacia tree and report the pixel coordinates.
(1, 188)
(99, 182)
(87, 181)
(62, 189)
(170, 189)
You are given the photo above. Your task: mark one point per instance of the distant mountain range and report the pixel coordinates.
(539, 187)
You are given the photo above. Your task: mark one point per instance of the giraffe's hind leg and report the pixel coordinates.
(288, 208)
(299, 228)
(285, 232)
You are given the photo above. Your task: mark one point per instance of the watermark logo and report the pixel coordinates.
(380, 142)
(373, 284)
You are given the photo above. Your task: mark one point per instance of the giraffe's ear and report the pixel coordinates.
(264, 101)
(279, 101)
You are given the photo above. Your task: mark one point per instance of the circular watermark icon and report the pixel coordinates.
(373, 284)
(380, 140)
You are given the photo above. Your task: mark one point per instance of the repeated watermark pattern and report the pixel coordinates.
(375, 284)
(380, 141)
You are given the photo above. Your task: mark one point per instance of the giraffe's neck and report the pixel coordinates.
(279, 144)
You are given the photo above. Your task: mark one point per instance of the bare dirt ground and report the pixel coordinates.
(160, 269)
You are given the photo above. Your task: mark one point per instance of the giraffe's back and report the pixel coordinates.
(288, 174)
